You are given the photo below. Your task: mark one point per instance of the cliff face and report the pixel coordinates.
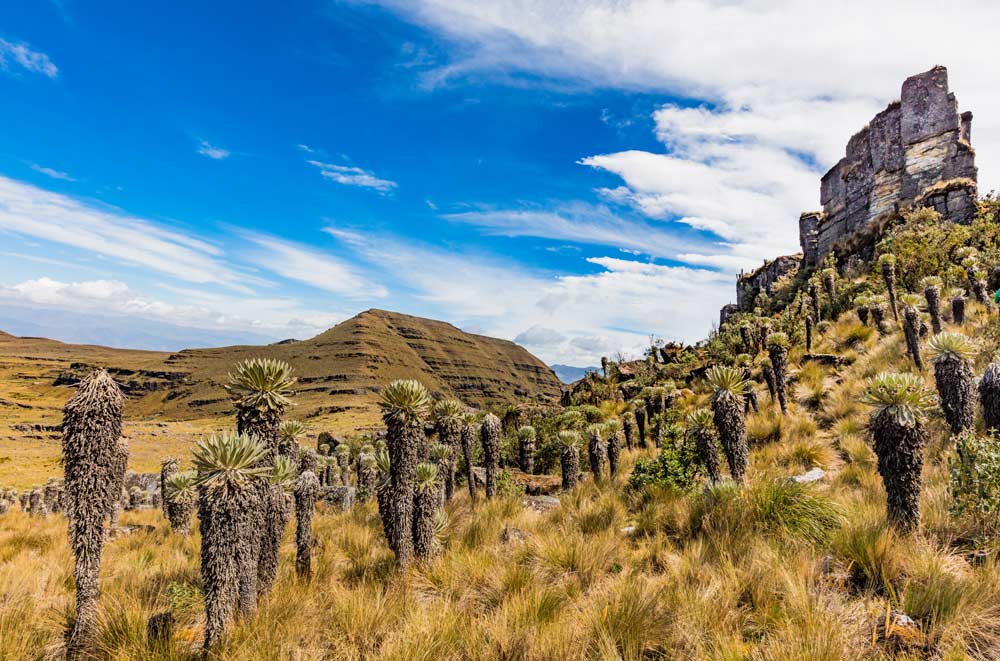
(915, 153)
(749, 286)
(915, 144)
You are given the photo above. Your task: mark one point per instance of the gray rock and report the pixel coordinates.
(814, 475)
(512, 535)
(339, 497)
(541, 503)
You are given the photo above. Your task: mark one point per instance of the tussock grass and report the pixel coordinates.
(770, 570)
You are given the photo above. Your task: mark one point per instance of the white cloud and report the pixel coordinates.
(748, 195)
(26, 58)
(564, 319)
(782, 84)
(539, 336)
(29, 211)
(206, 148)
(204, 310)
(49, 172)
(313, 267)
(353, 176)
(582, 223)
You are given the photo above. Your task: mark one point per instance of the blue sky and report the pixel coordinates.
(575, 176)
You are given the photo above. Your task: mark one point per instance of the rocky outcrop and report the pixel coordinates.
(726, 312)
(915, 152)
(750, 285)
(809, 237)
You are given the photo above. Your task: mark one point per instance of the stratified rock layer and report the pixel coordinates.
(915, 153)
(915, 145)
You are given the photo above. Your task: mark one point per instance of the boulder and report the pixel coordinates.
(513, 536)
(814, 475)
(339, 497)
(541, 503)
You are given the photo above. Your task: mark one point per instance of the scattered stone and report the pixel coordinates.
(628, 531)
(814, 475)
(981, 557)
(512, 535)
(541, 503)
(898, 630)
(824, 358)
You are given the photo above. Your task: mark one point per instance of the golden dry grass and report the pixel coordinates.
(771, 571)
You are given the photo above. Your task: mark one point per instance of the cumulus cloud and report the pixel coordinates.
(772, 90)
(539, 336)
(353, 176)
(22, 55)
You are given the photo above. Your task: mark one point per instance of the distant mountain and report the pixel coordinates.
(340, 371)
(569, 374)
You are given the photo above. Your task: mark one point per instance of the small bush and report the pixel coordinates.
(974, 481)
(780, 508)
(506, 486)
(873, 557)
(676, 467)
(855, 336)
(794, 509)
(765, 427)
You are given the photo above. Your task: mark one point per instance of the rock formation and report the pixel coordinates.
(915, 153)
(750, 285)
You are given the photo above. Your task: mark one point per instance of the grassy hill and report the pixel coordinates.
(176, 397)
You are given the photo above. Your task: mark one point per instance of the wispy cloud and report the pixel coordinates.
(353, 176)
(581, 223)
(30, 211)
(312, 267)
(49, 172)
(775, 114)
(563, 318)
(206, 148)
(277, 317)
(26, 58)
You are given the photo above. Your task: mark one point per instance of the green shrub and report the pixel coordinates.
(925, 245)
(974, 482)
(506, 486)
(676, 467)
(778, 508)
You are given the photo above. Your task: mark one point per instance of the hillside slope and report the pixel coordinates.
(339, 372)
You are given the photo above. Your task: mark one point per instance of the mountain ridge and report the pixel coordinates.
(340, 371)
